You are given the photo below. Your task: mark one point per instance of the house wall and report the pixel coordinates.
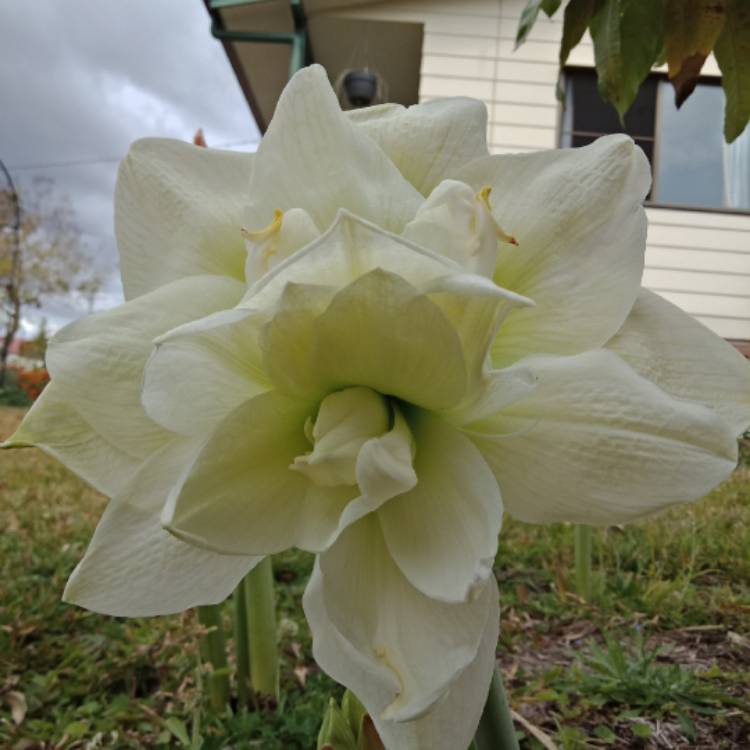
(699, 260)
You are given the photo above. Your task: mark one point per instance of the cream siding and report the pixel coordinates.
(699, 260)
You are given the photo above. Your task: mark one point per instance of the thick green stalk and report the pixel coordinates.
(213, 651)
(261, 618)
(495, 730)
(241, 647)
(583, 561)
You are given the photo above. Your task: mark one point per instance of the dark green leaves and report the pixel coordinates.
(576, 20)
(632, 36)
(627, 38)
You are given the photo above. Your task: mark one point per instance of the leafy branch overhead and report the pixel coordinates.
(632, 36)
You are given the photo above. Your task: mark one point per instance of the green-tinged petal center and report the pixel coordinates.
(346, 421)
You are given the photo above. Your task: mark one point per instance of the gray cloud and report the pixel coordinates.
(80, 80)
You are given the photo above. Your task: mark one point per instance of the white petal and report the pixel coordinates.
(581, 232)
(384, 469)
(241, 497)
(450, 724)
(346, 420)
(178, 212)
(477, 308)
(271, 245)
(97, 363)
(377, 332)
(596, 443)
(498, 389)
(391, 631)
(53, 425)
(455, 221)
(428, 140)
(675, 351)
(348, 250)
(212, 370)
(443, 533)
(312, 157)
(453, 721)
(133, 568)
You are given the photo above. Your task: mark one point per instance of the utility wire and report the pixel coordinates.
(103, 159)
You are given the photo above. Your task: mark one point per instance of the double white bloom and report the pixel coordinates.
(372, 370)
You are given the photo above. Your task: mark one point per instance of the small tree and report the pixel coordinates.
(40, 256)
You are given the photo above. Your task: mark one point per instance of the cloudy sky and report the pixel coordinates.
(81, 79)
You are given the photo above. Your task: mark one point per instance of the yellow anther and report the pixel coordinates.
(263, 234)
(484, 196)
(267, 237)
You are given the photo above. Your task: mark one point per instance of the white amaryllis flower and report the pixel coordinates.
(366, 341)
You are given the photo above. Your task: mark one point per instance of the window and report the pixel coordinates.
(692, 166)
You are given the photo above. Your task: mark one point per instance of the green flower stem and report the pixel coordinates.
(261, 619)
(213, 651)
(583, 561)
(241, 646)
(495, 730)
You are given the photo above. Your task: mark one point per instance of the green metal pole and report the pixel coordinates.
(241, 647)
(261, 619)
(583, 547)
(495, 730)
(213, 651)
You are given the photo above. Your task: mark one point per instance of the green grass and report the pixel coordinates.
(673, 671)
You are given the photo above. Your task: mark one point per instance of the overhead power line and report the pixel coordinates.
(103, 159)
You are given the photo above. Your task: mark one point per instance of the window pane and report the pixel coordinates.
(587, 113)
(587, 116)
(694, 166)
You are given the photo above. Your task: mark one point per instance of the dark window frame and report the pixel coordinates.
(658, 77)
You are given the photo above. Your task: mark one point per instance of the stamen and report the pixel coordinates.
(261, 234)
(266, 236)
(484, 196)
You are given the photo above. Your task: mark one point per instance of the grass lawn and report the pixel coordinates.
(672, 672)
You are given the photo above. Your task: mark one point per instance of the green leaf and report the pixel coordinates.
(179, 730)
(76, 729)
(687, 727)
(691, 29)
(576, 19)
(627, 38)
(605, 734)
(733, 55)
(641, 730)
(528, 18)
(550, 7)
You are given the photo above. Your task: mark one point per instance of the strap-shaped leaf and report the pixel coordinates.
(733, 55)
(690, 31)
(627, 38)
